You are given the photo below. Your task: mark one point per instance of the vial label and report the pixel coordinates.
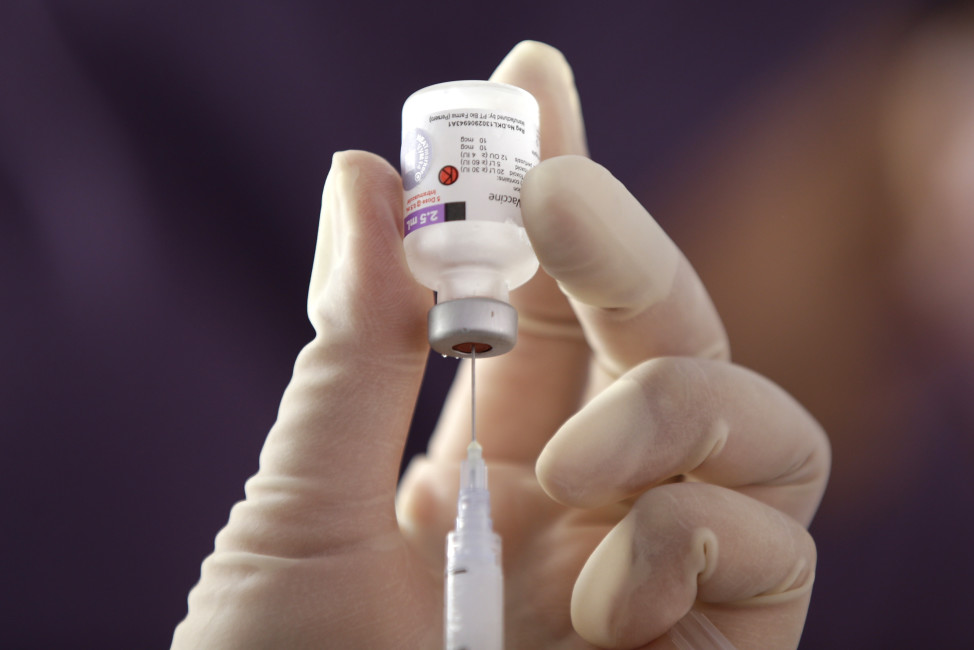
(466, 164)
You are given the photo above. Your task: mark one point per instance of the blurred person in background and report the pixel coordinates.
(838, 245)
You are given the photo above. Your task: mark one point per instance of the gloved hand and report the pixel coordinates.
(666, 476)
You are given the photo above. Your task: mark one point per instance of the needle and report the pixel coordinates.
(474, 589)
(473, 394)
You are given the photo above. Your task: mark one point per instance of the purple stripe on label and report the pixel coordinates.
(425, 216)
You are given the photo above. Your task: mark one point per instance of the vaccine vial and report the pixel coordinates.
(466, 146)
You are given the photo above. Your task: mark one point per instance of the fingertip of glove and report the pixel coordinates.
(563, 483)
(555, 193)
(548, 478)
(367, 186)
(555, 183)
(636, 584)
(594, 237)
(354, 170)
(365, 160)
(544, 71)
(359, 241)
(537, 59)
(598, 597)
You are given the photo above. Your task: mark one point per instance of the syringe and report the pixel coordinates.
(474, 581)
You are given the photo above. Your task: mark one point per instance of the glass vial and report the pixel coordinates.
(466, 146)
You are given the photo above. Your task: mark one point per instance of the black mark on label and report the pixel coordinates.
(455, 211)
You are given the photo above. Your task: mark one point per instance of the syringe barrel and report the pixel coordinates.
(474, 591)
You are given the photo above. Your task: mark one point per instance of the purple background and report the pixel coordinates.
(160, 180)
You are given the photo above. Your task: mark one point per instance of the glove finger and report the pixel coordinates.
(329, 465)
(543, 71)
(675, 416)
(550, 361)
(747, 566)
(319, 512)
(633, 291)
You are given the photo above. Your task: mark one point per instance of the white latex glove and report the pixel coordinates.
(315, 556)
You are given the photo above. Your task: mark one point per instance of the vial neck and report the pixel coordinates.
(472, 283)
